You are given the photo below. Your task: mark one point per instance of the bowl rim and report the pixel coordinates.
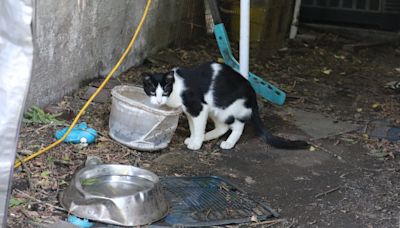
(146, 174)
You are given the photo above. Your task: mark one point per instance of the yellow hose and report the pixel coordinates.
(81, 112)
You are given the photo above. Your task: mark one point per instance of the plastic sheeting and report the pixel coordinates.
(16, 53)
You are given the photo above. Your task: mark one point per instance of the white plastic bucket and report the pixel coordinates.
(137, 123)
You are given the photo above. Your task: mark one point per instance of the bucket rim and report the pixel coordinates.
(116, 93)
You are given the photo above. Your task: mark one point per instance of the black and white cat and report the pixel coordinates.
(212, 90)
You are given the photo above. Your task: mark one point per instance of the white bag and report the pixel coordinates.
(16, 53)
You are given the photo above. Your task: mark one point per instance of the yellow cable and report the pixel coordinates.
(81, 112)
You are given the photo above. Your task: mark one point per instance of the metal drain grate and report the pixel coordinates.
(208, 201)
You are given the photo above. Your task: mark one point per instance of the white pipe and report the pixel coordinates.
(295, 21)
(244, 37)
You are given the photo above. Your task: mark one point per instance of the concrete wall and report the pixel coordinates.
(75, 40)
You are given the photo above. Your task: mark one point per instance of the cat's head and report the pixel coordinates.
(158, 86)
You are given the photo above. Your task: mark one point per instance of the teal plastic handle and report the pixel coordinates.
(260, 86)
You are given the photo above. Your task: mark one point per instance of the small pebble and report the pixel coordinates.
(249, 180)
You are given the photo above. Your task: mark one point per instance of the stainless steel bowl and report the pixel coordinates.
(115, 194)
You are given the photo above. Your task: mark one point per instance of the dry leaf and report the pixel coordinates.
(339, 56)
(249, 180)
(326, 71)
(254, 218)
(376, 105)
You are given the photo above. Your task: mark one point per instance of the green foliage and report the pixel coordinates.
(45, 174)
(37, 115)
(15, 202)
(89, 181)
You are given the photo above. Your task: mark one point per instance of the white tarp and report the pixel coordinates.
(15, 72)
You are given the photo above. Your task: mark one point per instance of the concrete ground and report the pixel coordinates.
(333, 186)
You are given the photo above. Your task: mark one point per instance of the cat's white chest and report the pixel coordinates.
(175, 99)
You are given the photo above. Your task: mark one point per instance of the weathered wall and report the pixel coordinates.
(76, 40)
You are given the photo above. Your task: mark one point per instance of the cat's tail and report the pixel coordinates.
(274, 141)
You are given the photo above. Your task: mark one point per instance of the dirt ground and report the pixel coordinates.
(350, 180)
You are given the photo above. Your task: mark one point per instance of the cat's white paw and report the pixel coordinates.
(226, 145)
(194, 146)
(188, 141)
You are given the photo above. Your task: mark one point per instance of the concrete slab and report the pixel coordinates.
(288, 180)
(316, 125)
(103, 97)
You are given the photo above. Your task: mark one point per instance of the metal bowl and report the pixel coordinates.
(115, 194)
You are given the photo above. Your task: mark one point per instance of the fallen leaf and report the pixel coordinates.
(45, 184)
(359, 109)
(249, 180)
(25, 152)
(89, 181)
(312, 149)
(45, 174)
(301, 178)
(65, 157)
(326, 71)
(376, 105)
(146, 165)
(15, 202)
(254, 218)
(378, 153)
(32, 214)
(339, 56)
(233, 175)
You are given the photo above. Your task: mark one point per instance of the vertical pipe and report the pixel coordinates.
(295, 21)
(244, 37)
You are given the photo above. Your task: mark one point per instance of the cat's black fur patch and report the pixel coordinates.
(193, 103)
(245, 119)
(228, 87)
(230, 120)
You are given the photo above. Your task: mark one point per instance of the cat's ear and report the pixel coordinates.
(169, 77)
(146, 77)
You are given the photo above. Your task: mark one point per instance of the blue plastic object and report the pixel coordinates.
(265, 89)
(79, 134)
(84, 223)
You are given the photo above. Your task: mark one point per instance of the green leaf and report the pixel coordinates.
(65, 157)
(50, 159)
(37, 115)
(89, 181)
(15, 202)
(45, 174)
